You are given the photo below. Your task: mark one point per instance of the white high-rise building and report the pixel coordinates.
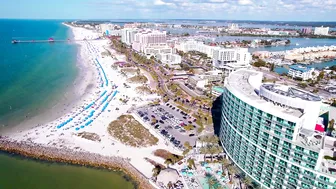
(226, 59)
(230, 60)
(321, 30)
(151, 42)
(199, 46)
(128, 35)
(149, 38)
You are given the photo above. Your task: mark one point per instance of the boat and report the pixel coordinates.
(14, 41)
(297, 44)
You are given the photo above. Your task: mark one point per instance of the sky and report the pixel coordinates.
(270, 10)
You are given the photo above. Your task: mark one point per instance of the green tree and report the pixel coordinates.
(259, 63)
(320, 76)
(189, 127)
(333, 103)
(302, 85)
(156, 170)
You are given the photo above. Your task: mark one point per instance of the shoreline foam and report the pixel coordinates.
(62, 133)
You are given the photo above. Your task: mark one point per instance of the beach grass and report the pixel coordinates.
(138, 79)
(168, 156)
(143, 90)
(89, 136)
(130, 132)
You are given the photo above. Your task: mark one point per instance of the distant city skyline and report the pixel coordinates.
(270, 10)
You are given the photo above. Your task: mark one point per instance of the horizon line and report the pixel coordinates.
(109, 19)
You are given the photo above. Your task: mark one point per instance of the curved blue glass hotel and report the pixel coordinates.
(269, 131)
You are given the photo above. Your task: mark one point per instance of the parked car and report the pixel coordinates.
(157, 127)
(191, 135)
(161, 121)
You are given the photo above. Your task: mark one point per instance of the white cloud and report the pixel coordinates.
(160, 2)
(245, 2)
(224, 9)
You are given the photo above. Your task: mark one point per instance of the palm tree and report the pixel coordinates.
(204, 150)
(211, 182)
(247, 181)
(225, 164)
(232, 171)
(213, 150)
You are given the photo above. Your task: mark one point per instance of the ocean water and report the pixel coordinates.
(33, 76)
(22, 173)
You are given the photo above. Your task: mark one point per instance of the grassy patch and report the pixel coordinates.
(130, 132)
(143, 90)
(155, 163)
(138, 79)
(166, 155)
(130, 70)
(89, 136)
(184, 109)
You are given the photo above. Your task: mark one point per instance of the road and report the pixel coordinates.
(274, 75)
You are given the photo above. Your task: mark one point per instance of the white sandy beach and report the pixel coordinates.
(95, 110)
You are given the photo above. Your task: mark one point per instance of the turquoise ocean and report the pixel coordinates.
(33, 76)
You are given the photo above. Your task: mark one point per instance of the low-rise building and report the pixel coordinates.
(321, 30)
(213, 76)
(169, 58)
(110, 29)
(302, 72)
(197, 82)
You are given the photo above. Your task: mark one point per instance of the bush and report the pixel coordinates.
(166, 155)
(259, 63)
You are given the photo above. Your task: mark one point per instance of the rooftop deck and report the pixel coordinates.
(239, 83)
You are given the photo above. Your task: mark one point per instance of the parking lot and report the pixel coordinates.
(170, 122)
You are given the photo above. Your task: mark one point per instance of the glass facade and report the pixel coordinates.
(262, 145)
